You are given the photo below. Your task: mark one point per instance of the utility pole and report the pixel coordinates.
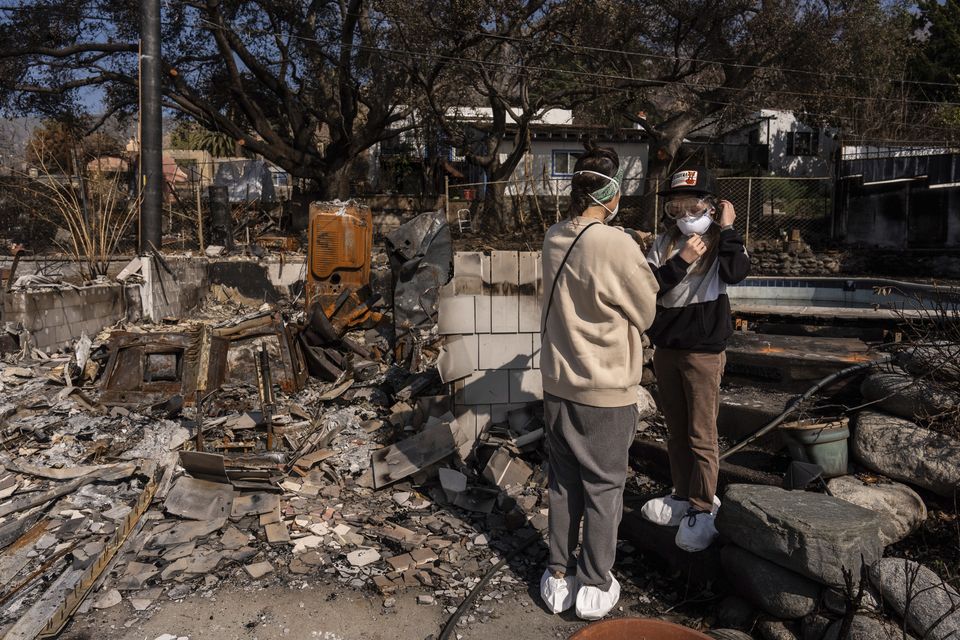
(151, 127)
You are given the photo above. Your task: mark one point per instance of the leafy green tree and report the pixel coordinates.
(191, 136)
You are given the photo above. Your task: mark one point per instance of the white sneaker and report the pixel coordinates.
(697, 531)
(557, 593)
(668, 511)
(593, 603)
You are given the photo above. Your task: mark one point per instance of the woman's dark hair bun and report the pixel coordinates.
(603, 160)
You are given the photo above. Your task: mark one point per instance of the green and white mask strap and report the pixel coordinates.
(609, 190)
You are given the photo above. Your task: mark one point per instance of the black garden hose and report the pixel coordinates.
(794, 404)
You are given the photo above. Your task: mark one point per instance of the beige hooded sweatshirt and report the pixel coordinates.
(606, 297)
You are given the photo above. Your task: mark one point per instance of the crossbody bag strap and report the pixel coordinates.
(563, 262)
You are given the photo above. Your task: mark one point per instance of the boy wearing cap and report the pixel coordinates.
(693, 261)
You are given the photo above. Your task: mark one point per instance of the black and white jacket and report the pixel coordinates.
(693, 311)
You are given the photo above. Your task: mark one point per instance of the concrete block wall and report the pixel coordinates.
(56, 317)
(175, 296)
(172, 296)
(493, 304)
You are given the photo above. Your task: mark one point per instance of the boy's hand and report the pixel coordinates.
(727, 213)
(693, 248)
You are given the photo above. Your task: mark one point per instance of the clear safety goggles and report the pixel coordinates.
(677, 208)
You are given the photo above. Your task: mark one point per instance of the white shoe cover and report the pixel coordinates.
(668, 511)
(697, 532)
(594, 603)
(557, 593)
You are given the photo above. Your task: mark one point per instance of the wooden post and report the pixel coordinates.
(446, 196)
(746, 234)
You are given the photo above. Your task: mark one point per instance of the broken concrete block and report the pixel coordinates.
(452, 481)
(363, 557)
(400, 414)
(107, 599)
(199, 499)
(506, 351)
(186, 532)
(423, 556)
(271, 516)
(258, 569)
(306, 543)
(233, 538)
(458, 358)
(504, 470)
(136, 575)
(133, 267)
(408, 456)
(214, 250)
(277, 533)
(401, 562)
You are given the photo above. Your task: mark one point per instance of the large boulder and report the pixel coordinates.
(865, 628)
(906, 396)
(811, 534)
(902, 509)
(940, 360)
(775, 630)
(930, 607)
(901, 450)
(781, 593)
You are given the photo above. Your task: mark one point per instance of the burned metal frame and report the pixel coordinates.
(203, 359)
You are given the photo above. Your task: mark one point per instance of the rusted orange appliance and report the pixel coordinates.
(341, 237)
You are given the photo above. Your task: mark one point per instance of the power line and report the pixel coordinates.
(455, 60)
(738, 65)
(655, 81)
(581, 47)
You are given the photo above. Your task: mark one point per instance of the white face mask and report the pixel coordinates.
(699, 225)
(611, 214)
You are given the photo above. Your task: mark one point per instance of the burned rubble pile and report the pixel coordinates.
(156, 460)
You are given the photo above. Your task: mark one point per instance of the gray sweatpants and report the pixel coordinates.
(588, 449)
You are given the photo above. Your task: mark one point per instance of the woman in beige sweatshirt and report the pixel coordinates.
(602, 297)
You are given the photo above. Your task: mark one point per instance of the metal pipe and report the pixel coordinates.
(796, 402)
(151, 127)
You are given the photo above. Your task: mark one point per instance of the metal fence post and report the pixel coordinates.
(746, 235)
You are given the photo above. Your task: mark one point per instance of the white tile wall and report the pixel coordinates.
(504, 292)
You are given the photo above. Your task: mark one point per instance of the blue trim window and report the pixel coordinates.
(562, 161)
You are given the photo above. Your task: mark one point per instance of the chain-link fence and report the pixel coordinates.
(780, 208)
(768, 208)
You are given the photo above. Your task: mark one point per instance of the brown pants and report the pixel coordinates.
(689, 393)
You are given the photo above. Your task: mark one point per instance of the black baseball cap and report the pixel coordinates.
(695, 180)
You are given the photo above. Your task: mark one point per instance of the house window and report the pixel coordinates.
(802, 143)
(563, 162)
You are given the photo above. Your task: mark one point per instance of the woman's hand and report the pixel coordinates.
(693, 248)
(642, 238)
(727, 213)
